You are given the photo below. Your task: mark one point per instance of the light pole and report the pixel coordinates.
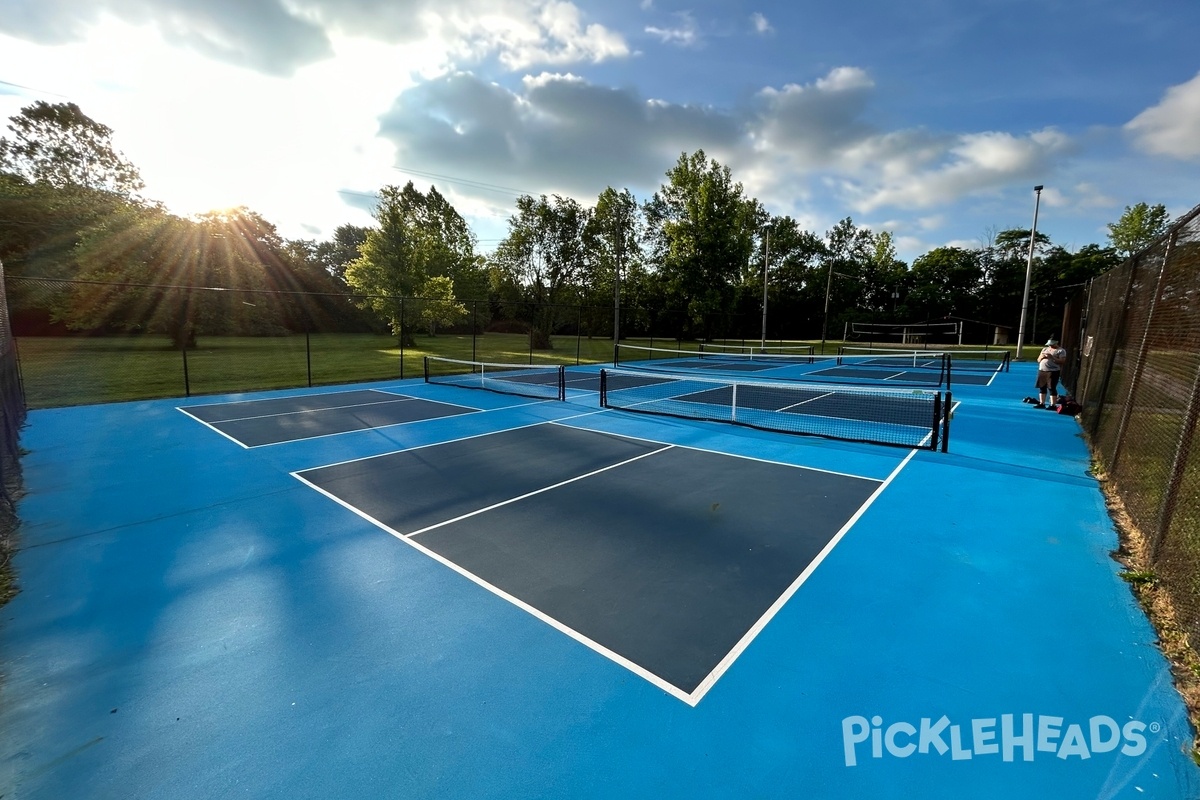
(825, 317)
(1028, 272)
(620, 239)
(766, 260)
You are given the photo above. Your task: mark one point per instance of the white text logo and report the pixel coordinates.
(1011, 736)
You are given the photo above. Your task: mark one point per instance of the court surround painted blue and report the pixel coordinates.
(196, 622)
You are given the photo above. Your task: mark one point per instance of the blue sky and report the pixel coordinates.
(931, 119)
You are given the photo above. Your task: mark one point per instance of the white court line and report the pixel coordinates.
(611, 655)
(432, 444)
(539, 491)
(240, 444)
(809, 400)
(470, 409)
(698, 693)
(399, 399)
(711, 451)
(428, 400)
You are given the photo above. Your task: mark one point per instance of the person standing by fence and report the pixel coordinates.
(1050, 362)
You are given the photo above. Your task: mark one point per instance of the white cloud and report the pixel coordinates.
(1171, 128)
(952, 167)
(761, 24)
(279, 37)
(1088, 195)
(686, 34)
(548, 33)
(558, 133)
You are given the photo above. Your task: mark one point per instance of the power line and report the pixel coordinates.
(491, 187)
(31, 89)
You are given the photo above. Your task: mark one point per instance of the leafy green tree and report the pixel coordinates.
(795, 282)
(845, 269)
(543, 254)
(337, 253)
(145, 270)
(438, 306)
(611, 238)
(419, 236)
(946, 283)
(702, 232)
(1004, 261)
(885, 276)
(1137, 228)
(60, 146)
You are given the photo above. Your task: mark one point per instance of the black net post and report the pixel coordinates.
(947, 413)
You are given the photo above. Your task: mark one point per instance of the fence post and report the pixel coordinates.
(308, 357)
(187, 384)
(1118, 334)
(1139, 364)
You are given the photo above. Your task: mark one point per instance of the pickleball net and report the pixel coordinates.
(987, 360)
(542, 381)
(711, 355)
(799, 352)
(914, 418)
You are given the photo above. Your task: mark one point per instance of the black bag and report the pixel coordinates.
(1069, 405)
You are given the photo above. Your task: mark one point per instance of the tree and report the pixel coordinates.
(611, 239)
(946, 282)
(149, 271)
(702, 232)
(795, 282)
(419, 236)
(1137, 228)
(337, 253)
(845, 264)
(60, 146)
(543, 254)
(438, 306)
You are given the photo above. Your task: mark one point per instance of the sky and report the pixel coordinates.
(930, 119)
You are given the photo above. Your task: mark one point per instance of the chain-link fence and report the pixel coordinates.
(12, 417)
(1138, 377)
(174, 341)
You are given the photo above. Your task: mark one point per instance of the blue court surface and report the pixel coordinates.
(411, 590)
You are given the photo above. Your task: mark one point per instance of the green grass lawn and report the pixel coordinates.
(62, 371)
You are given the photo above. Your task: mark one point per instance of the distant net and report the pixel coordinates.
(543, 381)
(912, 332)
(799, 351)
(915, 418)
(710, 356)
(989, 360)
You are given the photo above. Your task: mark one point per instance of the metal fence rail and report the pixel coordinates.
(1139, 382)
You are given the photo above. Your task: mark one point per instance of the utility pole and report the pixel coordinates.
(766, 260)
(1028, 272)
(617, 284)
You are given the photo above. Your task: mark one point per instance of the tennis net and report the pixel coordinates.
(545, 381)
(916, 418)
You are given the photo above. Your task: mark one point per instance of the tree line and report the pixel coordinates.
(690, 260)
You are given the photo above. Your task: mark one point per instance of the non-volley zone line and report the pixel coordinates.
(555, 519)
(255, 423)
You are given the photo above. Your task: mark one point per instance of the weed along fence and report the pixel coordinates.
(1139, 382)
